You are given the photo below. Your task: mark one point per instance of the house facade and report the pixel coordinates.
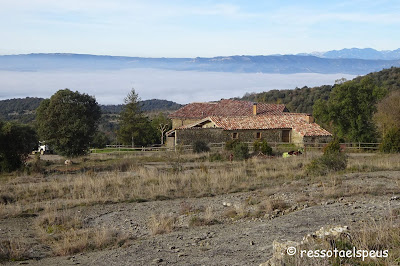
(245, 121)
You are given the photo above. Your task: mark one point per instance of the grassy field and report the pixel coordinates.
(49, 189)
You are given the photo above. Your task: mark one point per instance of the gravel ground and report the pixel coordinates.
(244, 241)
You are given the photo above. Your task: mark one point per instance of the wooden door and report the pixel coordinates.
(285, 135)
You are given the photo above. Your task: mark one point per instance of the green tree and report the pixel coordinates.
(16, 142)
(262, 146)
(67, 121)
(241, 151)
(100, 140)
(350, 109)
(134, 127)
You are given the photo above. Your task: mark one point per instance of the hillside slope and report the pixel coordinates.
(303, 99)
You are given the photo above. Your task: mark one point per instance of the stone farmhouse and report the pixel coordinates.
(216, 122)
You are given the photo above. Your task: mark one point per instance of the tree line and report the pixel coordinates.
(69, 123)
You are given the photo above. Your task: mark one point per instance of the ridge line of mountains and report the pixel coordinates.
(346, 61)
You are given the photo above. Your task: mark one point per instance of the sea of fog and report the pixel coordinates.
(111, 87)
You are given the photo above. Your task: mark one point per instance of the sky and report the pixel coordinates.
(191, 28)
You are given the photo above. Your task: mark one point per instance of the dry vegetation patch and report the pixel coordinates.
(147, 178)
(161, 223)
(66, 233)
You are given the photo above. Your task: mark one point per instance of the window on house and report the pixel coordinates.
(258, 135)
(235, 135)
(285, 135)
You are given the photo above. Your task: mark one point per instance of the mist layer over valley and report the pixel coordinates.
(111, 86)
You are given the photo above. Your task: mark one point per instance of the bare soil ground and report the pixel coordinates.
(240, 235)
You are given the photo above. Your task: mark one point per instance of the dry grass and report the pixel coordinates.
(381, 235)
(66, 233)
(269, 205)
(208, 218)
(197, 179)
(370, 235)
(14, 250)
(128, 179)
(161, 224)
(374, 162)
(141, 183)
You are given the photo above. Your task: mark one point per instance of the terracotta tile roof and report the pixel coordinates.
(226, 108)
(295, 121)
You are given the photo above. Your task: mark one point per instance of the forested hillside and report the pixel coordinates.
(297, 100)
(23, 109)
(145, 106)
(302, 100)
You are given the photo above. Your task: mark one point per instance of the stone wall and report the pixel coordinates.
(270, 135)
(217, 135)
(208, 135)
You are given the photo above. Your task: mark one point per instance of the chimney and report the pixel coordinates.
(309, 119)
(254, 108)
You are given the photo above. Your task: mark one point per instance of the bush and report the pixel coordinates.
(332, 147)
(16, 142)
(200, 146)
(100, 140)
(241, 151)
(329, 162)
(262, 146)
(215, 157)
(391, 141)
(36, 166)
(229, 145)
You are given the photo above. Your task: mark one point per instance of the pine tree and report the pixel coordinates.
(134, 127)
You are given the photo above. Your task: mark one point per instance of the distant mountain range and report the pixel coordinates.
(347, 61)
(356, 53)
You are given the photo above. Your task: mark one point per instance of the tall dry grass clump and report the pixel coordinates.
(66, 233)
(207, 218)
(14, 249)
(161, 224)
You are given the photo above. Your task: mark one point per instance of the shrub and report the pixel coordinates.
(36, 166)
(215, 157)
(331, 161)
(229, 145)
(332, 147)
(160, 224)
(262, 146)
(200, 146)
(241, 151)
(391, 141)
